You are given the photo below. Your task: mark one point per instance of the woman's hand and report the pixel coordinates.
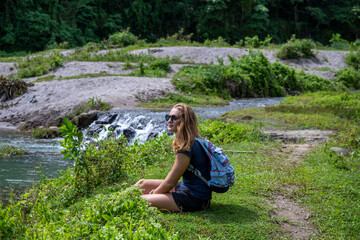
(181, 163)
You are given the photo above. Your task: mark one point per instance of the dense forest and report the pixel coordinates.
(35, 25)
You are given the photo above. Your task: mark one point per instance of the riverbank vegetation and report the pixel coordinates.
(9, 151)
(101, 204)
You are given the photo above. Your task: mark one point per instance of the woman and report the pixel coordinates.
(192, 194)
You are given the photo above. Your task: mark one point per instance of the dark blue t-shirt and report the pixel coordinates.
(193, 183)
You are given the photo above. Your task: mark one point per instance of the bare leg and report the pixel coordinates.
(163, 201)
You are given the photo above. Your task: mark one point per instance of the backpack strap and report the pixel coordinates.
(196, 172)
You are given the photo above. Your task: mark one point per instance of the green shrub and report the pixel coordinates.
(161, 64)
(349, 77)
(339, 43)
(219, 42)
(9, 151)
(296, 48)
(12, 87)
(92, 104)
(123, 39)
(353, 60)
(220, 132)
(38, 65)
(45, 132)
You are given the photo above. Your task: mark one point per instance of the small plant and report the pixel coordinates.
(339, 43)
(219, 42)
(161, 64)
(350, 77)
(252, 41)
(296, 48)
(127, 65)
(92, 104)
(9, 151)
(47, 78)
(12, 87)
(41, 133)
(353, 59)
(38, 65)
(123, 39)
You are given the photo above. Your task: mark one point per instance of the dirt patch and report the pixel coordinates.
(294, 217)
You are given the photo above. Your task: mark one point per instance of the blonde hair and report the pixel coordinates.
(187, 129)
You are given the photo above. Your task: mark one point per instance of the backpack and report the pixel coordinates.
(221, 171)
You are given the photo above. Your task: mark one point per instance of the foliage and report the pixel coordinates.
(92, 104)
(161, 64)
(38, 65)
(350, 77)
(9, 151)
(43, 132)
(37, 25)
(249, 76)
(353, 59)
(219, 42)
(339, 43)
(12, 87)
(72, 142)
(220, 132)
(123, 39)
(256, 42)
(296, 48)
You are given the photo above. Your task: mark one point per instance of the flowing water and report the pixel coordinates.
(44, 155)
(19, 172)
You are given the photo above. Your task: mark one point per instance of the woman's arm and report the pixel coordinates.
(181, 163)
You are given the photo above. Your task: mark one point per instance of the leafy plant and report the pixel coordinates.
(38, 65)
(12, 87)
(42, 132)
(9, 151)
(338, 42)
(72, 142)
(353, 59)
(123, 39)
(350, 77)
(224, 132)
(296, 48)
(92, 104)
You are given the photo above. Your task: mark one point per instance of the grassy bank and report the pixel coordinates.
(100, 204)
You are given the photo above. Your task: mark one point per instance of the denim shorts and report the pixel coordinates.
(188, 203)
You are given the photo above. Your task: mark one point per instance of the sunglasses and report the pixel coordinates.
(173, 117)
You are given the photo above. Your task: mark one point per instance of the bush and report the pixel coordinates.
(38, 65)
(41, 132)
(249, 76)
(220, 132)
(12, 87)
(339, 43)
(349, 77)
(353, 59)
(161, 64)
(296, 48)
(92, 104)
(123, 39)
(9, 151)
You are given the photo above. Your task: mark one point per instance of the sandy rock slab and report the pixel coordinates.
(46, 101)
